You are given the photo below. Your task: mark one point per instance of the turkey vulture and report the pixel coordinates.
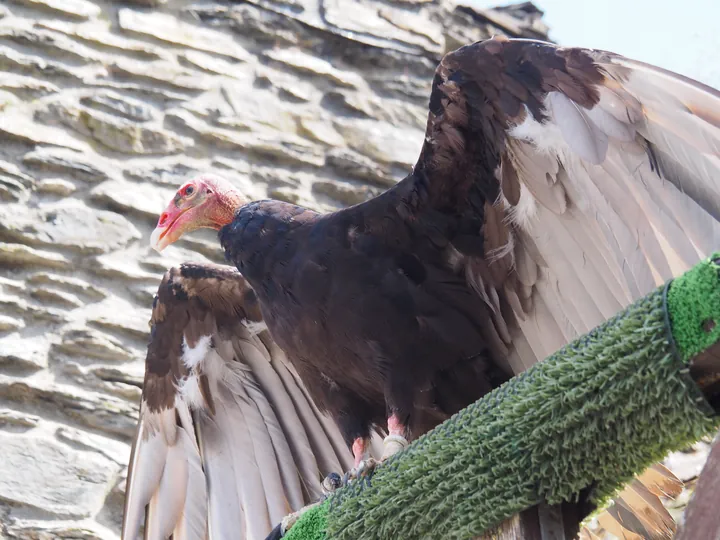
(228, 439)
(554, 187)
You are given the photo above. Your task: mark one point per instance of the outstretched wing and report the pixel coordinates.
(563, 182)
(228, 440)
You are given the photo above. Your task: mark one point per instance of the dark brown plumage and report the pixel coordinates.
(554, 187)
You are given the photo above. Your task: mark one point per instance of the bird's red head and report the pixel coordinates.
(205, 201)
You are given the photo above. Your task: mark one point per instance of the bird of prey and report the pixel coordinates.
(554, 187)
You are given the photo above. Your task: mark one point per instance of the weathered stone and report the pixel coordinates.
(82, 440)
(145, 200)
(355, 165)
(168, 28)
(308, 64)
(366, 105)
(320, 130)
(289, 87)
(216, 66)
(49, 43)
(347, 194)
(76, 285)
(212, 104)
(114, 103)
(52, 296)
(8, 323)
(415, 23)
(69, 484)
(261, 26)
(171, 256)
(12, 171)
(7, 100)
(171, 174)
(12, 190)
(286, 194)
(408, 87)
(69, 224)
(13, 255)
(105, 413)
(56, 186)
(40, 529)
(147, 3)
(163, 72)
(210, 248)
(78, 165)
(74, 9)
(18, 353)
(21, 307)
(22, 85)
(112, 513)
(360, 18)
(123, 318)
(143, 90)
(85, 342)
(282, 147)
(116, 133)
(382, 141)
(8, 417)
(19, 128)
(235, 165)
(119, 266)
(82, 376)
(255, 109)
(102, 36)
(25, 64)
(143, 294)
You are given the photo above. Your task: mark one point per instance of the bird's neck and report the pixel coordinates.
(228, 203)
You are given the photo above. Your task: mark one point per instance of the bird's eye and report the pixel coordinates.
(189, 190)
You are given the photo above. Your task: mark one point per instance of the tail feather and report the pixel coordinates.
(637, 513)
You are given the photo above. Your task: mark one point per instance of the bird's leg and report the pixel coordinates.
(364, 463)
(396, 439)
(361, 450)
(363, 466)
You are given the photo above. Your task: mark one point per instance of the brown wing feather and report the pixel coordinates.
(227, 440)
(565, 183)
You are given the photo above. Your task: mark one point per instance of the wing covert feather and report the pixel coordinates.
(232, 443)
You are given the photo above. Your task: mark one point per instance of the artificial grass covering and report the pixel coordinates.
(595, 413)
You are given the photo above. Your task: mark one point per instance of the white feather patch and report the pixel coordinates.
(189, 392)
(525, 210)
(192, 356)
(546, 138)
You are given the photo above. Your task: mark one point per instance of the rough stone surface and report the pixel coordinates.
(45, 475)
(105, 108)
(69, 224)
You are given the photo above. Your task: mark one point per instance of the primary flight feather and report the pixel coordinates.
(554, 187)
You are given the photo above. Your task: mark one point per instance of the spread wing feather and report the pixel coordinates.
(228, 441)
(606, 173)
(563, 184)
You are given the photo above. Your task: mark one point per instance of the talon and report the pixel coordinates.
(363, 471)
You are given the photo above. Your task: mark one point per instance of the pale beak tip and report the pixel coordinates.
(156, 241)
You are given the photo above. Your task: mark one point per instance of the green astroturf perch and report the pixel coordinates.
(595, 413)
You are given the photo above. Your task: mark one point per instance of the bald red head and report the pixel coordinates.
(205, 201)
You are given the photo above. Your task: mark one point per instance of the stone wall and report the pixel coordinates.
(104, 108)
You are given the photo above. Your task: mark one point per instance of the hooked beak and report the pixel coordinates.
(168, 229)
